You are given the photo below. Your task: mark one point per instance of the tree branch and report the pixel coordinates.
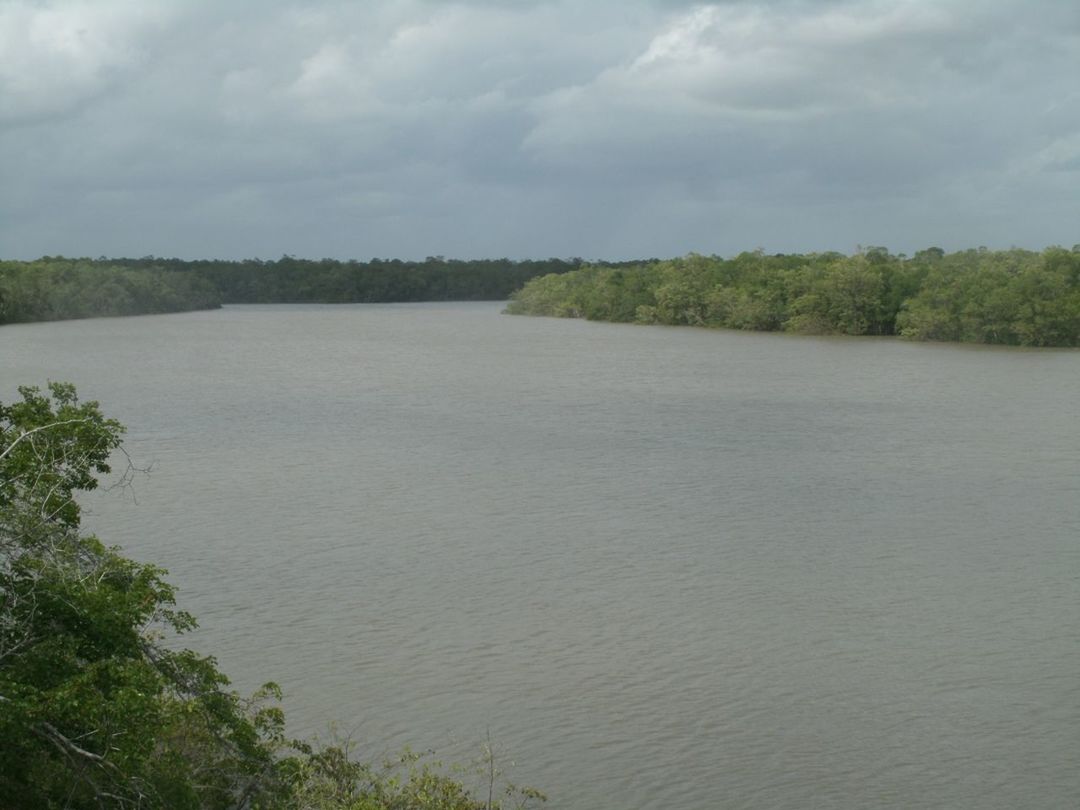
(32, 431)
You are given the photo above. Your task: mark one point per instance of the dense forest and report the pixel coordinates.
(1013, 297)
(99, 708)
(57, 288)
(290, 280)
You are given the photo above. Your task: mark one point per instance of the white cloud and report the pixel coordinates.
(57, 56)
(333, 84)
(1060, 155)
(715, 67)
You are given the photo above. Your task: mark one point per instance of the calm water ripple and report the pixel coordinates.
(667, 568)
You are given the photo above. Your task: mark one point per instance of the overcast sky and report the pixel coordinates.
(601, 129)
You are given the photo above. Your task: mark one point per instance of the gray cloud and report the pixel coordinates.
(417, 127)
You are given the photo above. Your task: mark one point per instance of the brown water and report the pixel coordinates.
(666, 568)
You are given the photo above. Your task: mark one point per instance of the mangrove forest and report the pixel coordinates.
(1012, 297)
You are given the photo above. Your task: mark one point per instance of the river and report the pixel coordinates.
(663, 568)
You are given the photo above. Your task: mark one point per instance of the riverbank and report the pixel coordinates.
(1012, 297)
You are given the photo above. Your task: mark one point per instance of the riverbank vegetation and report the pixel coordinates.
(56, 288)
(290, 280)
(1012, 297)
(98, 706)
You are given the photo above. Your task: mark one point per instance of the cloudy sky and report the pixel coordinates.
(532, 128)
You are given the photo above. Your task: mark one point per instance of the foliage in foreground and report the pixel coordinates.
(1012, 297)
(95, 711)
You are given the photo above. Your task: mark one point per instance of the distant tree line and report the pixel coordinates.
(52, 289)
(1012, 297)
(290, 280)
(1015, 297)
(55, 288)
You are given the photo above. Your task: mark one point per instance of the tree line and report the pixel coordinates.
(290, 280)
(57, 288)
(99, 708)
(1011, 297)
(53, 289)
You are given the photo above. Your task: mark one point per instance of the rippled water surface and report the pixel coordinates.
(666, 568)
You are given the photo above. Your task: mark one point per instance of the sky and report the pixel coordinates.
(602, 129)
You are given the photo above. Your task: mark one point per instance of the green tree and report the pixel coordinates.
(975, 296)
(94, 711)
